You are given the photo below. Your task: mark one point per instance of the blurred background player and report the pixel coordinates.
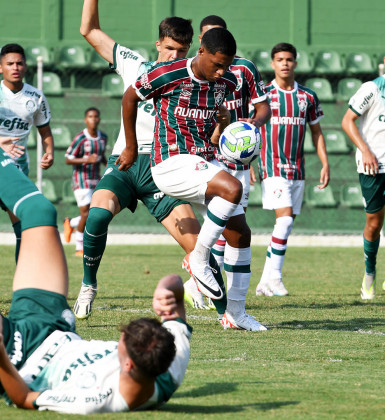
(38, 336)
(368, 105)
(21, 107)
(281, 162)
(237, 255)
(85, 154)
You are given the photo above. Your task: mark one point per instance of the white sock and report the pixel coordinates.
(218, 250)
(281, 232)
(79, 240)
(74, 222)
(266, 269)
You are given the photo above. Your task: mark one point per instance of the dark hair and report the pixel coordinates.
(92, 108)
(178, 29)
(284, 46)
(212, 20)
(150, 346)
(219, 40)
(12, 48)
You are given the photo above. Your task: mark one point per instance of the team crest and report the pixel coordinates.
(219, 97)
(278, 193)
(30, 105)
(201, 166)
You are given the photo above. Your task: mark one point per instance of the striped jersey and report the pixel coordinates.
(130, 65)
(284, 134)
(369, 103)
(250, 89)
(86, 175)
(19, 112)
(186, 108)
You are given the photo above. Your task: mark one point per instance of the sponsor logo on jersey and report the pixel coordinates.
(203, 149)
(220, 86)
(261, 85)
(15, 123)
(219, 97)
(238, 75)
(144, 81)
(17, 352)
(381, 118)
(196, 113)
(6, 162)
(186, 93)
(287, 167)
(32, 93)
(234, 104)
(30, 105)
(147, 107)
(128, 54)
(288, 120)
(366, 100)
(201, 166)
(275, 105)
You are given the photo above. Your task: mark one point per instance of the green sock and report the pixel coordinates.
(370, 253)
(17, 229)
(94, 242)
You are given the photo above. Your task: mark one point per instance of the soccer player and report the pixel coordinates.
(118, 188)
(250, 88)
(44, 364)
(22, 106)
(187, 95)
(85, 154)
(281, 162)
(368, 105)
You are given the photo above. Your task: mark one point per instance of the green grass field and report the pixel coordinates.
(322, 358)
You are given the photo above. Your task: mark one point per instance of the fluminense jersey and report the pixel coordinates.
(369, 103)
(86, 175)
(186, 108)
(284, 134)
(250, 88)
(82, 377)
(130, 65)
(19, 112)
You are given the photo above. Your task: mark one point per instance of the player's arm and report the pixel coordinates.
(369, 160)
(14, 385)
(13, 149)
(129, 112)
(90, 29)
(168, 298)
(262, 114)
(223, 120)
(320, 146)
(47, 141)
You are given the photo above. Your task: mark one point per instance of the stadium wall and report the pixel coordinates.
(311, 25)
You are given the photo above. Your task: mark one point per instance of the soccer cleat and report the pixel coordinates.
(83, 304)
(79, 253)
(211, 304)
(277, 287)
(242, 322)
(383, 286)
(203, 276)
(193, 296)
(368, 294)
(68, 230)
(263, 290)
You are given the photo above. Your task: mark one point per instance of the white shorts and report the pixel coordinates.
(242, 176)
(184, 177)
(83, 196)
(278, 192)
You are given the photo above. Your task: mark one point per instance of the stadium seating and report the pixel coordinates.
(34, 51)
(347, 87)
(359, 63)
(68, 193)
(143, 52)
(351, 195)
(335, 141)
(262, 60)
(305, 65)
(308, 146)
(314, 197)
(71, 57)
(255, 194)
(328, 62)
(112, 85)
(321, 87)
(97, 62)
(32, 139)
(51, 84)
(61, 135)
(48, 190)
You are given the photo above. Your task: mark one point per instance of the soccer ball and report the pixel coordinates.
(240, 142)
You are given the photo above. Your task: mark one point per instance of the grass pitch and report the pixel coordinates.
(322, 358)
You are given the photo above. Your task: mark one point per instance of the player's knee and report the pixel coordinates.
(37, 211)
(285, 224)
(98, 220)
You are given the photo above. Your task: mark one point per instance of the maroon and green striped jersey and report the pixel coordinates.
(284, 134)
(250, 89)
(86, 175)
(186, 108)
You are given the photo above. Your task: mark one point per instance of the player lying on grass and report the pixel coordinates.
(44, 364)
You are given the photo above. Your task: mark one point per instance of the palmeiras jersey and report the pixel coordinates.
(369, 103)
(186, 108)
(19, 112)
(284, 134)
(86, 175)
(250, 88)
(130, 65)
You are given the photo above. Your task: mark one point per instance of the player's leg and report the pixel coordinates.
(16, 225)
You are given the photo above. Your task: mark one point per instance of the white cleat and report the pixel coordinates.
(193, 296)
(242, 322)
(263, 290)
(368, 294)
(277, 287)
(83, 304)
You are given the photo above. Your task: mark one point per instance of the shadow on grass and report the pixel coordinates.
(354, 324)
(212, 388)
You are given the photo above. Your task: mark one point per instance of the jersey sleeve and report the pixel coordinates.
(315, 113)
(43, 113)
(154, 83)
(363, 99)
(126, 62)
(255, 83)
(75, 149)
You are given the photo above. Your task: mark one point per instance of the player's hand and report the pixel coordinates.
(10, 147)
(46, 161)
(324, 178)
(164, 303)
(127, 158)
(93, 158)
(370, 163)
(253, 177)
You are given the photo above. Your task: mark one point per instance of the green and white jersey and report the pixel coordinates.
(369, 103)
(19, 112)
(82, 377)
(130, 65)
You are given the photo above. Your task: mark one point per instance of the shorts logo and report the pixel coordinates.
(144, 81)
(108, 171)
(201, 166)
(278, 193)
(158, 195)
(17, 353)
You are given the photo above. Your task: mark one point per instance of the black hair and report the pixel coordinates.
(219, 40)
(284, 46)
(212, 20)
(12, 48)
(178, 29)
(92, 108)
